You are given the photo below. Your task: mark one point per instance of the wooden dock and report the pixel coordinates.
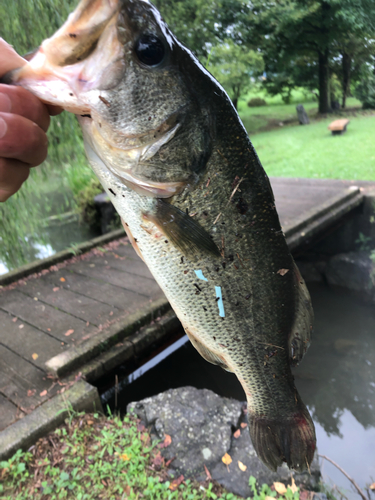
(64, 318)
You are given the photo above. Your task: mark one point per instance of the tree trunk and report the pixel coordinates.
(346, 67)
(324, 106)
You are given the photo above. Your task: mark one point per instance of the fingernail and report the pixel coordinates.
(3, 128)
(5, 103)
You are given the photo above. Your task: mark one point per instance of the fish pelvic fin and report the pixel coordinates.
(183, 232)
(206, 353)
(300, 335)
(291, 440)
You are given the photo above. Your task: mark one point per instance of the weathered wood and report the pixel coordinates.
(99, 290)
(21, 382)
(27, 341)
(43, 316)
(9, 412)
(132, 282)
(78, 305)
(128, 262)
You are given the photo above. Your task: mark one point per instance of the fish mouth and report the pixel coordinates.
(74, 60)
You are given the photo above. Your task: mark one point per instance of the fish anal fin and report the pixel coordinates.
(182, 230)
(207, 354)
(300, 335)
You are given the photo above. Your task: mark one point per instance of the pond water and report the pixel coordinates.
(336, 380)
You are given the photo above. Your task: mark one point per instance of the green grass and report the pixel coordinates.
(311, 150)
(95, 457)
(267, 117)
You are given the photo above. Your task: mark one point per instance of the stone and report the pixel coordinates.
(302, 115)
(311, 271)
(202, 426)
(353, 271)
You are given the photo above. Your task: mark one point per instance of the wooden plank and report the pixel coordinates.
(68, 301)
(27, 341)
(18, 377)
(131, 264)
(43, 316)
(132, 282)
(99, 290)
(9, 413)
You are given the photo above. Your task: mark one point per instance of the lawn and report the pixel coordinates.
(311, 150)
(262, 118)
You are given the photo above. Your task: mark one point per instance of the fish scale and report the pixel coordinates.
(169, 149)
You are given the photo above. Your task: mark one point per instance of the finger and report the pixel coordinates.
(54, 110)
(21, 102)
(9, 58)
(13, 174)
(22, 139)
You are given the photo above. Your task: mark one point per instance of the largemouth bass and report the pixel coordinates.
(171, 152)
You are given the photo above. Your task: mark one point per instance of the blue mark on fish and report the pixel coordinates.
(220, 301)
(199, 274)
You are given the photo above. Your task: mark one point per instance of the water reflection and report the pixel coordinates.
(338, 371)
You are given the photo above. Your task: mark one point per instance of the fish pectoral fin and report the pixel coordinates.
(183, 232)
(132, 240)
(208, 355)
(299, 338)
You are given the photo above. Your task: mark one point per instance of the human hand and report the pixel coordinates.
(24, 121)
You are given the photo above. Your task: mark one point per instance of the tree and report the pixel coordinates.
(233, 66)
(310, 28)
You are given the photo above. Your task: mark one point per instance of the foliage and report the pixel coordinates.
(86, 202)
(93, 457)
(365, 91)
(256, 101)
(233, 66)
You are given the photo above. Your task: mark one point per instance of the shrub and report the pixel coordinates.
(256, 101)
(365, 91)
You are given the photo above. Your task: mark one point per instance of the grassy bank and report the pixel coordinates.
(311, 150)
(95, 457)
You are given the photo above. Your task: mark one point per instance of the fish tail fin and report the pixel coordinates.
(291, 440)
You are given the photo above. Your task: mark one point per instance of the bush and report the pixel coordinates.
(365, 91)
(256, 101)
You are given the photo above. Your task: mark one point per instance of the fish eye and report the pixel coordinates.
(150, 49)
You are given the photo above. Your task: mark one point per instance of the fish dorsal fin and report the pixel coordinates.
(299, 338)
(181, 229)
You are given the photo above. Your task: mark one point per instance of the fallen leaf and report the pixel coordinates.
(227, 459)
(35, 356)
(90, 422)
(56, 289)
(31, 393)
(282, 272)
(280, 488)
(243, 425)
(237, 434)
(140, 427)
(242, 466)
(62, 279)
(293, 487)
(125, 457)
(267, 497)
(21, 326)
(372, 486)
(176, 483)
(69, 332)
(36, 298)
(111, 313)
(208, 474)
(158, 461)
(167, 441)
(127, 490)
(43, 393)
(14, 320)
(48, 329)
